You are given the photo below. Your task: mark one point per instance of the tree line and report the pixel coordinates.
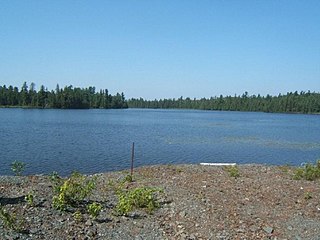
(292, 102)
(68, 97)
(71, 97)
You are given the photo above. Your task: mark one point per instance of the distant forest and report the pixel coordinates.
(71, 97)
(65, 98)
(303, 102)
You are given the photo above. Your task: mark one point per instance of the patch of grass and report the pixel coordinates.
(140, 197)
(309, 172)
(233, 171)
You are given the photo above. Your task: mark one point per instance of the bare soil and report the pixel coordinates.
(199, 202)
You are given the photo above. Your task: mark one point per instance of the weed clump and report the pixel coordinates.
(29, 198)
(94, 209)
(72, 191)
(233, 171)
(309, 172)
(11, 221)
(140, 197)
(18, 167)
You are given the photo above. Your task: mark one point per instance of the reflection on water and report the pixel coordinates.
(273, 143)
(190, 140)
(252, 140)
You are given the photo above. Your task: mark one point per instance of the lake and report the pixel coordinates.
(92, 141)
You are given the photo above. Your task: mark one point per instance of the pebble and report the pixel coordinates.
(88, 223)
(183, 214)
(254, 228)
(268, 230)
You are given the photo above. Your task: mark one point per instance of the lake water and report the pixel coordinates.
(92, 141)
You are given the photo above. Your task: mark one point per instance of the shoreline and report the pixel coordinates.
(183, 109)
(127, 170)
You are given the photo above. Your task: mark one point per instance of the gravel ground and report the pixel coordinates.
(199, 202)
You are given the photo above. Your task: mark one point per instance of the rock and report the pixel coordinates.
(178, 233)
(254, 228)
(134, 215)
(183, 214)
(88, 223)
(268, 230)
(33, 230)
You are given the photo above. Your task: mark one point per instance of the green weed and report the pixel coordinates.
(309, 172)
(18, 167)
(10, 221)
(307, 195)
(30, 199)
(128, 178)
(141, 197)
(233, 171)
(94, 209)
(72, 191)
(77, 216)
(56, 181)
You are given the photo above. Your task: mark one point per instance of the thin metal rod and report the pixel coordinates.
(132, 157)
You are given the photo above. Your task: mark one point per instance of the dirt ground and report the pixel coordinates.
(198, 202)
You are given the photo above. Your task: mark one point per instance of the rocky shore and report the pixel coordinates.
(198, 202)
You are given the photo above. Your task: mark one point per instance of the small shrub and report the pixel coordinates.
(30, 198)
(128, 178)
(94, 209)
(77, 215)
(233, 171)
(56, 181)
(18, 167)
(54, 176)
(307, 195)
(72, 191)
(141, 197)
(10, 221)
(309, 172)
(298, 174)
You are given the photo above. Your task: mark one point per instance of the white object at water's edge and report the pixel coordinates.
(218, 164)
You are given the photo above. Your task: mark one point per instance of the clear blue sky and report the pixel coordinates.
(162, 48)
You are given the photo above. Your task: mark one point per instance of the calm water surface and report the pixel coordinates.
(93, 141)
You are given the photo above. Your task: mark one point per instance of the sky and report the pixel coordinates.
(162, 48)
